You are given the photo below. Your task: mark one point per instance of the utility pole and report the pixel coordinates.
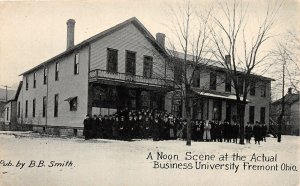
(5, 91)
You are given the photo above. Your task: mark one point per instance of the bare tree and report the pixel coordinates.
(285, 56)
(191, 31)
(235, 53)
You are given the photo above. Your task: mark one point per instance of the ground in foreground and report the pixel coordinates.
(109, 162)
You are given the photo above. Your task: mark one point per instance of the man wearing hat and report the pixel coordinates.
(87, 127)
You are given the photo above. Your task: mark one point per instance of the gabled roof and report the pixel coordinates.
(288, 99)
(209, 63)
(15, 98)
(109, 31)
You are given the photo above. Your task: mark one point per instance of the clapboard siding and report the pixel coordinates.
(127, 38)
(68, 85)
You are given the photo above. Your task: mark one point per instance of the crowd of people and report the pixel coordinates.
(160, 125)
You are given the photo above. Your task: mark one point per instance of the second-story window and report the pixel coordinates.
(240, 83)
(213, 81)
(196, 79)
(56, 71)
(76, 63)
(34, 80)
(130, 63)
(26, 84)
(263, 90)
(178, 72)
(112, 60)
(227, 83)
(252, 88)
(45, 76)
(148, 65)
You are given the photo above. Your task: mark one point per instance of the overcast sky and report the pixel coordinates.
(32, 32)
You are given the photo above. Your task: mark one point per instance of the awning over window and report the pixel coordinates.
(214, 94)
(70, 98)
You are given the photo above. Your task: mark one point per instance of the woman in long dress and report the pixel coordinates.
(206, 134)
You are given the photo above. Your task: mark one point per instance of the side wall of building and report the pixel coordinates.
(295, 114)
(68, 85)
(257, 100)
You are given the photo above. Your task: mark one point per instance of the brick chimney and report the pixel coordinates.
(70, 33)
(228, 59)
(160, 38)
(290, 90)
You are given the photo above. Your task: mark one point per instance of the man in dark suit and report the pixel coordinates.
(87, 126)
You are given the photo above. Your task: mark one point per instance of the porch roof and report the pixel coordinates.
(215, 94)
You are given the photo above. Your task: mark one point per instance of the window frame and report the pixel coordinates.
(228, 83)
(251, 118)
(26, 109)
(262, 114)
(108, 53)
(76, 63)
(127, 63)
(33, 107)
(7, 113)
(149, 60)
(196, 78)
(26, 83)
(252, 88)
(45, 75)
(56, 99)
(72, 108)
(213, 85)
(34, 80)
(263, 90)
(44, 106)
(56, 75)
(19, 109)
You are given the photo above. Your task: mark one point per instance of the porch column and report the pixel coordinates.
(223, 110)
(210, 109)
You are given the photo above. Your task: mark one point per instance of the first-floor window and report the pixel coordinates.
(262, 115)
(26, 108)
(7, 113)
(19, 109)
(251, 114)
(55, 105)
(44, 106)
(33, 108)
(73, 104)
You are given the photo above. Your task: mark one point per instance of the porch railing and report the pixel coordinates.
(99, 74)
